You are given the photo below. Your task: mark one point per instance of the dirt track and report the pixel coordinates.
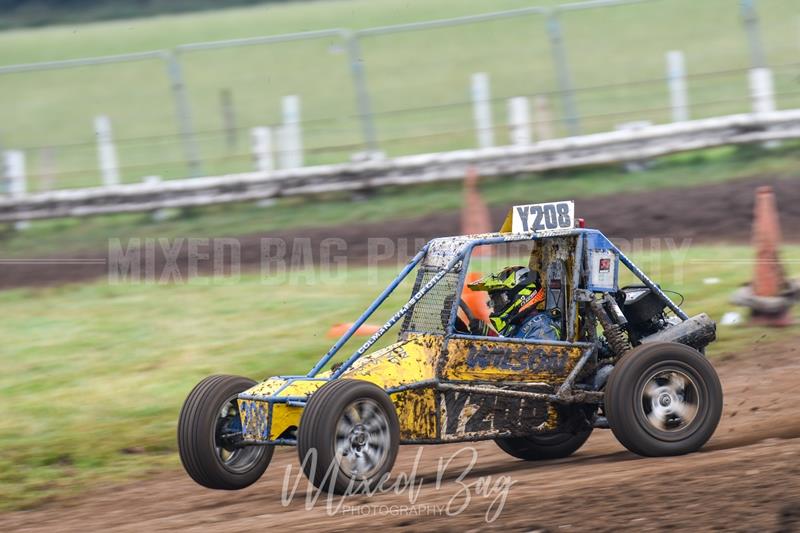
(719, 212)
(746, 479)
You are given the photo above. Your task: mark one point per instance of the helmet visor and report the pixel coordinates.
(498, 302)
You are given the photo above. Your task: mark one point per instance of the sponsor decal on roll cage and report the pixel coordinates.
(403, 310)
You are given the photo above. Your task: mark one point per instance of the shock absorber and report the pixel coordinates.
(614, 332)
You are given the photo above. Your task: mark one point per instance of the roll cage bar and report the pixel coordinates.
(462, 257)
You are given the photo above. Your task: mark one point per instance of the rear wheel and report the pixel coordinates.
(663, 399)
(209, 429)
(550, 445)
(348, 436)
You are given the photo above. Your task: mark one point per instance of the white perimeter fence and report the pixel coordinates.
(625, 145)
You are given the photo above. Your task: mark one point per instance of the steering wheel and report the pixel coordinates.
(467, 311)
(460, 325)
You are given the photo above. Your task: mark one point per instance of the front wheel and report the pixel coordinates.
(663, 399)
(208, 431)
(348, 436)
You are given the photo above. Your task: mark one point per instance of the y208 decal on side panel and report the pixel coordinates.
(469, 414)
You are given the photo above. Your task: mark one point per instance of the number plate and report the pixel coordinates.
(543, 217)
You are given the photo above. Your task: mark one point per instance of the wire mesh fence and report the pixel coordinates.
(584, 68)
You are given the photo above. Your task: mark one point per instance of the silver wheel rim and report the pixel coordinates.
(235, 459)
(362, 439)
(670, 400)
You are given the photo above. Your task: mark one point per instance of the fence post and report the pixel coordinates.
(290, 140)
(363, 100)
(676, 79)
(561, 63)
(482, 109)
(636, 165)
(228, 118)
(183, 113)
(14, 170)
(750, 19)
(543, 118)
(762, 91)
(106, 152)
(519, 121)
(47, 168)
(262, 149)
(159, 214)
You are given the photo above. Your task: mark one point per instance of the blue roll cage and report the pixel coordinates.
(463, 256)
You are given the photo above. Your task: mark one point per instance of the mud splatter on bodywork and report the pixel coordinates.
(468, 415)
(470, 359)
(416, 412)
(272, 407)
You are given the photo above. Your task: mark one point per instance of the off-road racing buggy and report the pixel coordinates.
(629, 359)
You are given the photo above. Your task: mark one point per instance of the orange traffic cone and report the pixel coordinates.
(365, 330)
(769, 282)
(475, 300)
(474, 215)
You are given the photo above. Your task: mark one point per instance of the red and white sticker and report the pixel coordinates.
(602, 269)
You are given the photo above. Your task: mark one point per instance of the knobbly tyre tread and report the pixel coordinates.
(318, 422)
(201, 465)
(620, 397)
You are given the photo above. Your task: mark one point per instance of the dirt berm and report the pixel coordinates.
(712, 213)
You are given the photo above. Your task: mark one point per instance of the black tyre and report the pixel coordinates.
(350, 427)
(551, 445)
(207, 428)
(663, 399)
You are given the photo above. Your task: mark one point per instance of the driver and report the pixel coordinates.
(516, 301)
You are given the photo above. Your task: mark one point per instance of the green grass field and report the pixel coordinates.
(426, 70)
(94, 375)
(63, 236)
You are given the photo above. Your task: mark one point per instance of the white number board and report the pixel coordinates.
(543, 217)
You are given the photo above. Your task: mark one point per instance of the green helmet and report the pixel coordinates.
(512, 292)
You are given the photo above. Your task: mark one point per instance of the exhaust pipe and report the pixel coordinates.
(698, 332)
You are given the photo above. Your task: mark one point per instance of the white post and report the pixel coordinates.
(639, 164)
(519, 121)
(289, 135)
(14, 163)
(762, 90)
(262, 149)
(676, 79)
(106, 152)
(47, 168)
(159, 214)
(482, 109)
(15, 173)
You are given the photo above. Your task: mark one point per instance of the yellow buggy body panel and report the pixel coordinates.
(268, 412)
(428, 411)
